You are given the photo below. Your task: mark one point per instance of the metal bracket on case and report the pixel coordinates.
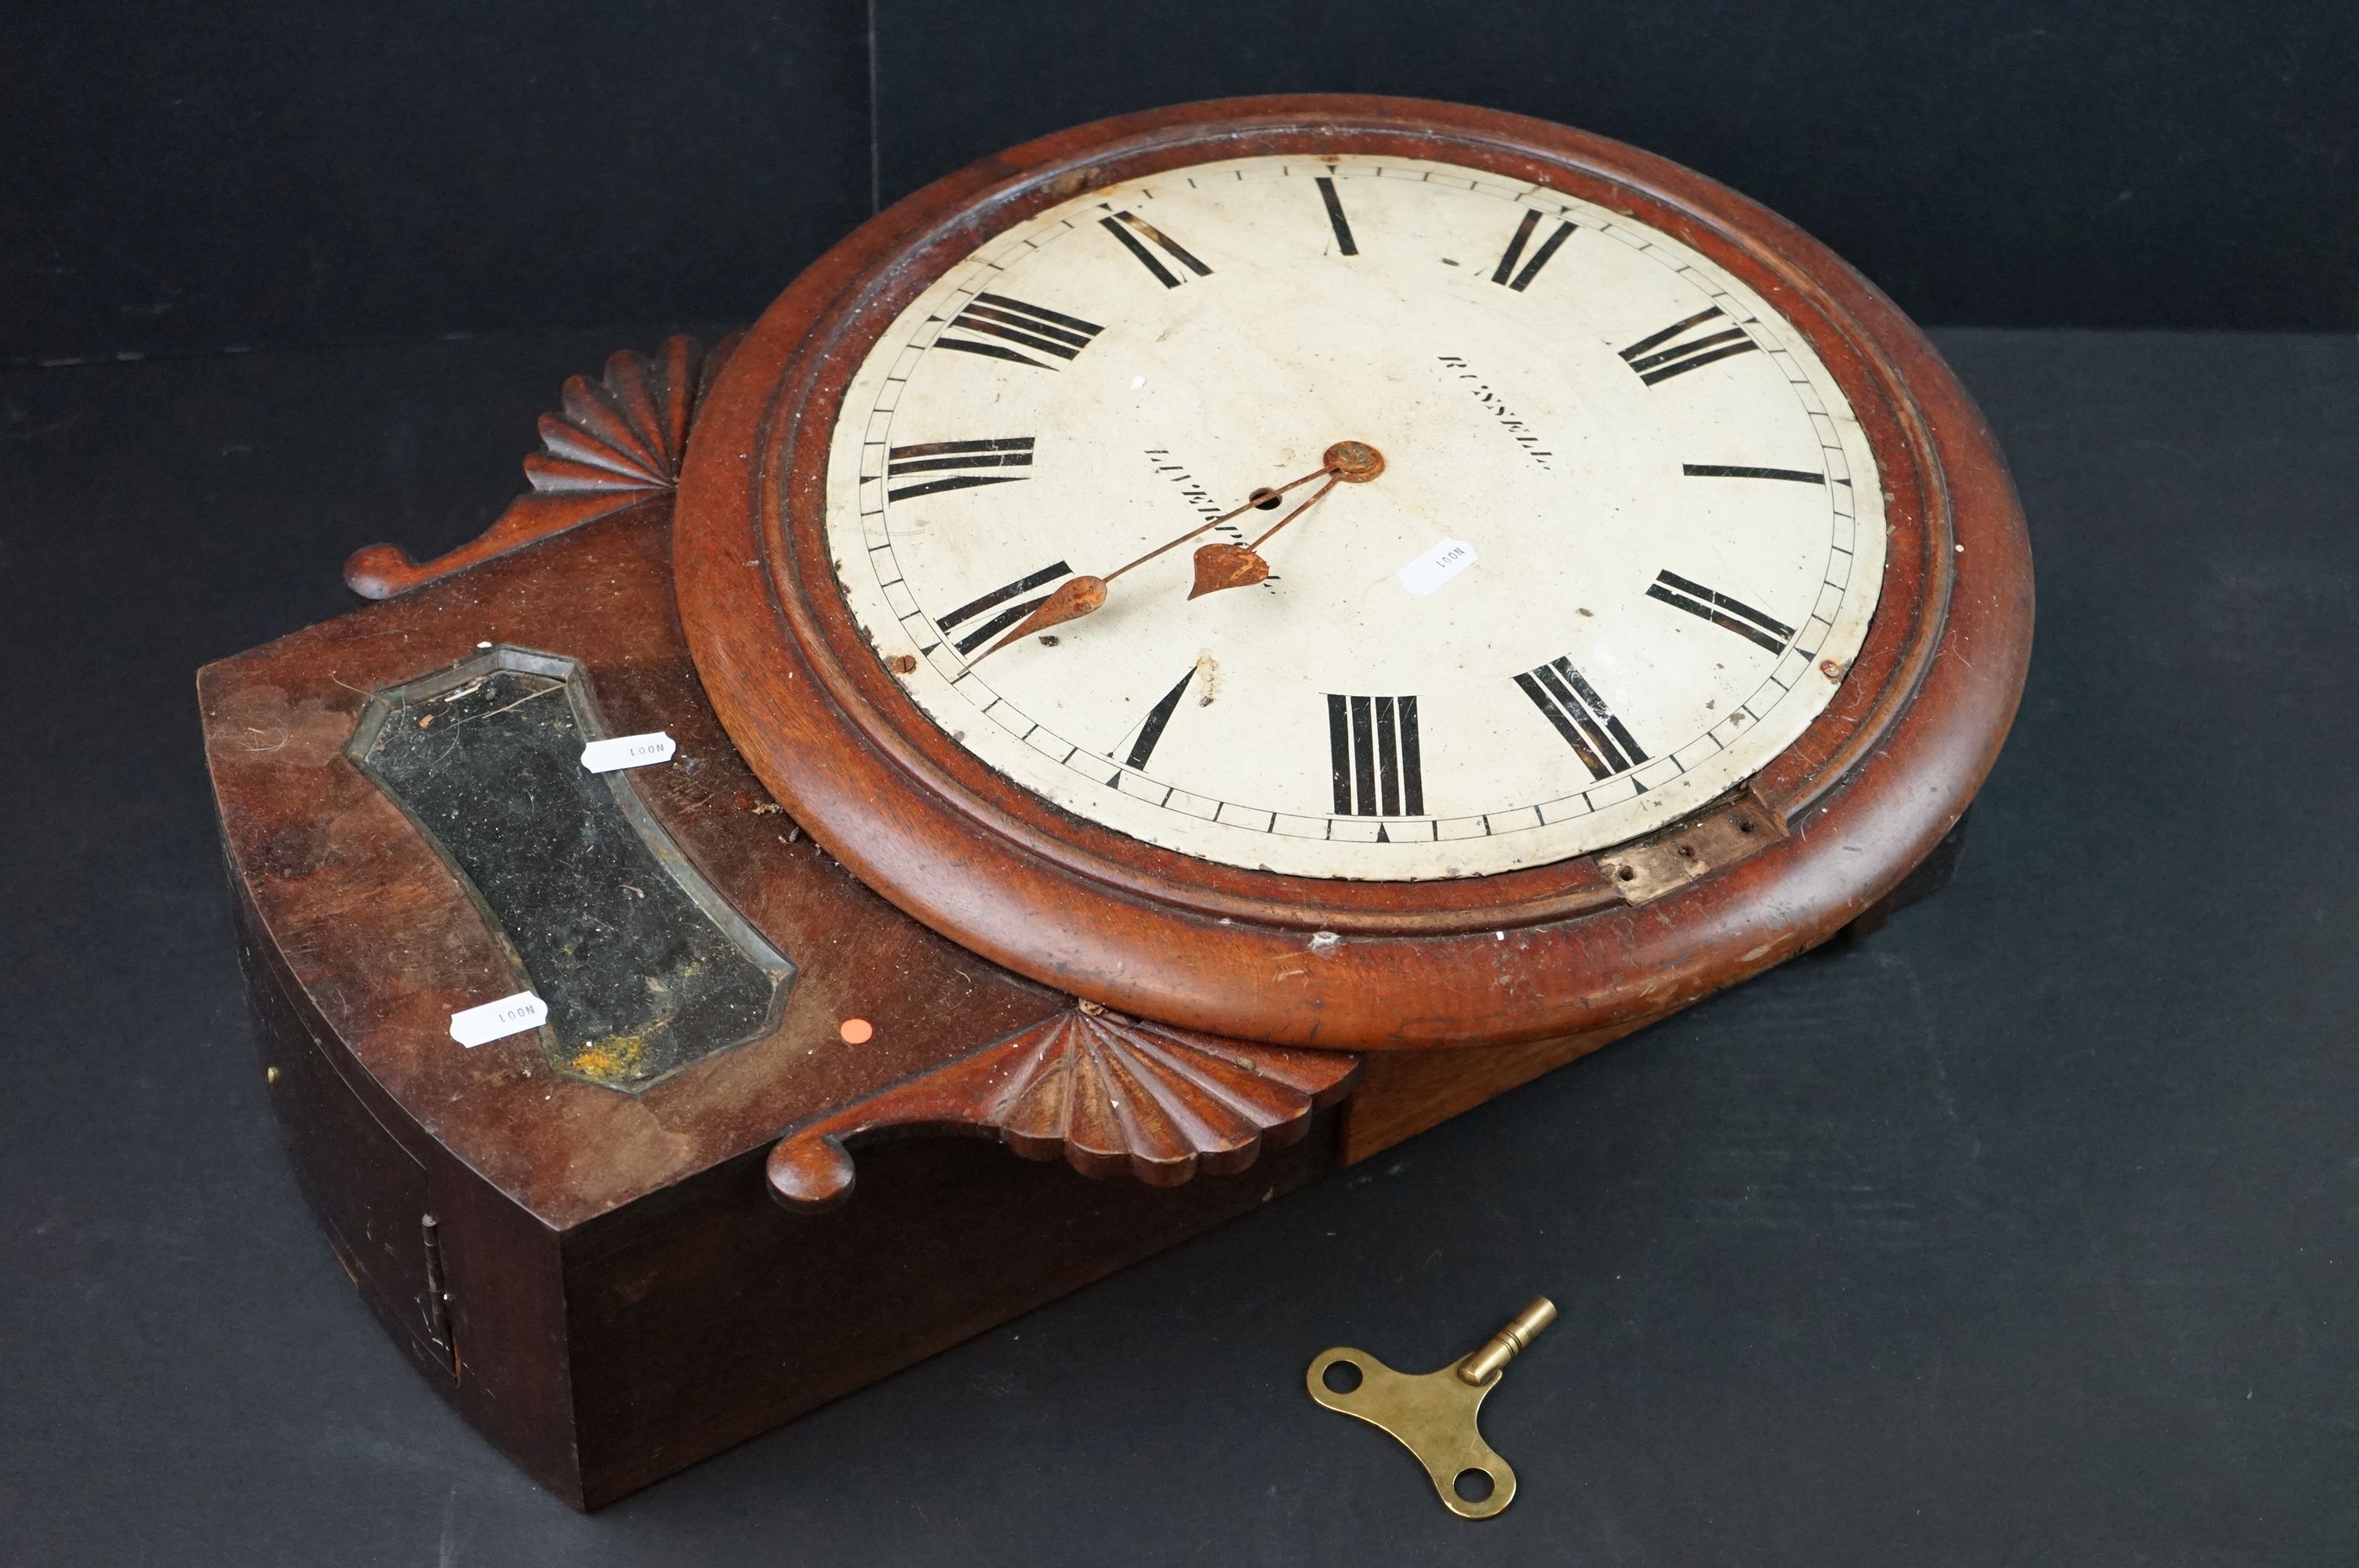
(1734, 828)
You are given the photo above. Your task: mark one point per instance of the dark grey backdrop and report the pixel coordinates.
(259, 172)
(2021, 1233)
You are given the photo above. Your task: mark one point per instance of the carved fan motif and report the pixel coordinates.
(1105, 1093)
(619, 441)
(627, 434)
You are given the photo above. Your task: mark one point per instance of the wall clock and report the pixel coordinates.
(1247, 628)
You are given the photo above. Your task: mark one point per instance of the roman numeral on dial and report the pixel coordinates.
(1604, 747)
(993, 600)
(1654, 362)
(961, 464)
(1740, 470)
(1128, 229)
(1706, 604)
(1010, 320)
(1335, 219)
(1506, 271)
(1379, 768)
(1158, 718)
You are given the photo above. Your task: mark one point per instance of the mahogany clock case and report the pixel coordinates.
(569, 1230)
(1864, 795)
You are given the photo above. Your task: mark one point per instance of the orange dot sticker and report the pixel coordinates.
(856, 1031)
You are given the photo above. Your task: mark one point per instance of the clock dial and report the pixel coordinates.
(1623, 540)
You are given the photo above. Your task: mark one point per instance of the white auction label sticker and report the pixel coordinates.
(627, 751)
(1437, 565)
(498, 1020)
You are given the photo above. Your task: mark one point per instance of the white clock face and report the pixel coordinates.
(1626, 537)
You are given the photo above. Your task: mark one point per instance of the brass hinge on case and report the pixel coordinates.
(1730, 830)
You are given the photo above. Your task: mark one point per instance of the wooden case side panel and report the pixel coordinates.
(706, 1314)
(367, 1192)
(496, 1348)
(1403, 1093)
(507, 1322)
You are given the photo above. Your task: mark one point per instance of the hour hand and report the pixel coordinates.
(1242, 565)
(1227, 565)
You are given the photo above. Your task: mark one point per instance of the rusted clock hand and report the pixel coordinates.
(1080, 596)
(1242, 565)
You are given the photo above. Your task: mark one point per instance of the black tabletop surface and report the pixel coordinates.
(2021, 1232)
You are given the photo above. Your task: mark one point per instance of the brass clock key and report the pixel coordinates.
(1433, 1416)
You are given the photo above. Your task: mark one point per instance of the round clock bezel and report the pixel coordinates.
(1525, 954)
